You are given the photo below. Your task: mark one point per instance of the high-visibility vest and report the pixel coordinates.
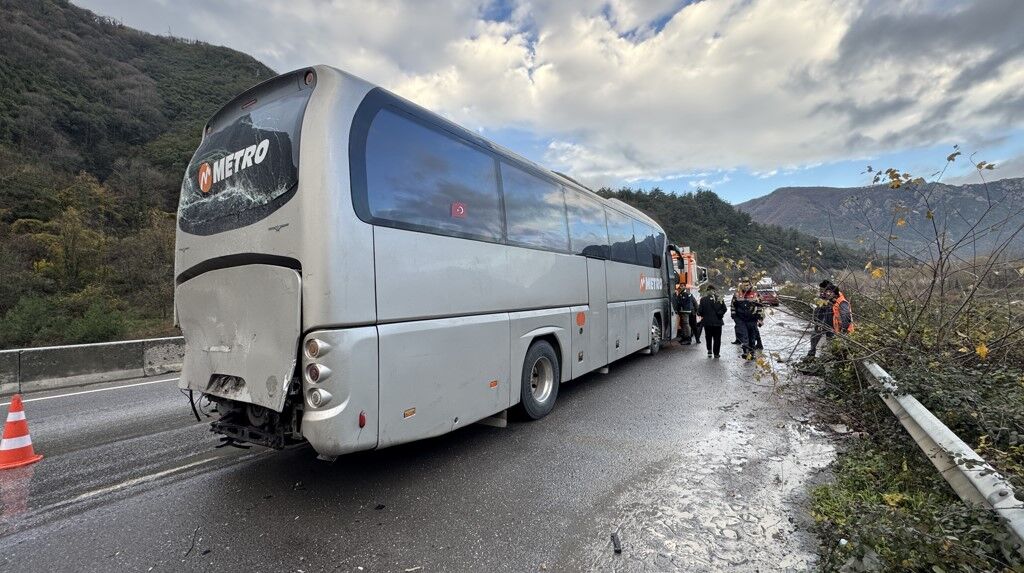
(835, 314)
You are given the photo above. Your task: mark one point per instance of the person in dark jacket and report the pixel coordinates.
(711, 311)
(685, 308)
(747, 312)
(822, 318)
(695, 326)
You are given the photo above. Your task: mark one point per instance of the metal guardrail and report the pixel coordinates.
(970, 476)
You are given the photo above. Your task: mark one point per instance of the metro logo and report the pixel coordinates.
(231, 164)
(205, 177)
(650, 283)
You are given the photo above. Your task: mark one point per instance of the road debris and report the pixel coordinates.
(616, 543)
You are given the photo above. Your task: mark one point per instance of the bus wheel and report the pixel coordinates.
(655, 336)
(541, 375)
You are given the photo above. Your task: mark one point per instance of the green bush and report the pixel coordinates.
(26, 320)
(102, 322)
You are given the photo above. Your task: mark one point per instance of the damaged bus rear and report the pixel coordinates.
(259, 258)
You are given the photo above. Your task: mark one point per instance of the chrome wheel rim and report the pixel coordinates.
(542, 379)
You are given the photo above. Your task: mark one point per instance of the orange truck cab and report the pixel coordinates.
(688, 274)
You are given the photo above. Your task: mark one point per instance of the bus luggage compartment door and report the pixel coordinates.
(241, 327)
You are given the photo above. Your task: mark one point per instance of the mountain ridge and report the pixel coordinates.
(870, 215)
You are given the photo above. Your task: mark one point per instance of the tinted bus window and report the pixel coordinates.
(534, 210)
(588, 227)
(620, 235)
(427, 179)
(646, 243)
(247, 166)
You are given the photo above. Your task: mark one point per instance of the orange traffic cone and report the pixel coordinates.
(16, 447)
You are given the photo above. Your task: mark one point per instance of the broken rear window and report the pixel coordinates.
(248, 164)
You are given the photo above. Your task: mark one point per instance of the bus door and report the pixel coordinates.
(672, 258)
(595, 327)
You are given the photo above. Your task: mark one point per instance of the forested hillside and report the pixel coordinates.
(97, 123)
(717, 230)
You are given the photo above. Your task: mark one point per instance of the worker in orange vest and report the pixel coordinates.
(842, 313)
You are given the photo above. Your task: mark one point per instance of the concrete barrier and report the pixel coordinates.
(9, 371)
(62, 366)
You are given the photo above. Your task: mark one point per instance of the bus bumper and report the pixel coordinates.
(340, 407)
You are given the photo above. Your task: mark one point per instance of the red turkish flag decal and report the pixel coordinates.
(459, 210)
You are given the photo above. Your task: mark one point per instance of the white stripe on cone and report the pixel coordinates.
(15, 416)
(15, 443)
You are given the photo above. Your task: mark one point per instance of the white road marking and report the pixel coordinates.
(94, 390)
(143, 479)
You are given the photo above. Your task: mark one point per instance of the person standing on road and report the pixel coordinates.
(711, 311)
(695, 325)
(732, 314)
(746, 307)
(684, 309)
(821, 319)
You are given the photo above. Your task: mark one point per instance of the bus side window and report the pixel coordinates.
(426, 179)
(534, 210)
(588, 226)
(620, 235)
(647, 252)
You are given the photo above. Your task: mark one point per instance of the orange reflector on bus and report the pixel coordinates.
(494, 384)
(409, 413)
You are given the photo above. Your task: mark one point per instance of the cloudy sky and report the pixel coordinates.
(742, 96)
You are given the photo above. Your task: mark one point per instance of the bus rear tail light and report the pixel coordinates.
(319, 397)
(316, 348)
(317, 372)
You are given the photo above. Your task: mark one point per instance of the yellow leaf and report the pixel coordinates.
(893, 499)
(930, 214)
(901, 222)
(814, 269)
(982, 350)
(878, 273)
(868, 266)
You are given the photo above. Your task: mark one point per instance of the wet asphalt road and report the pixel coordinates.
(695, 462)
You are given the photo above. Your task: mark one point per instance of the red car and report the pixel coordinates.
(769, 296)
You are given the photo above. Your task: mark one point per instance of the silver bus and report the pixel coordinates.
(354, 271)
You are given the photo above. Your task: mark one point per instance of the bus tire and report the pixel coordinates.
(540, 381)
(655, 336)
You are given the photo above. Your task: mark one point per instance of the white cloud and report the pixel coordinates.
(705, 184)
(628, 90)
